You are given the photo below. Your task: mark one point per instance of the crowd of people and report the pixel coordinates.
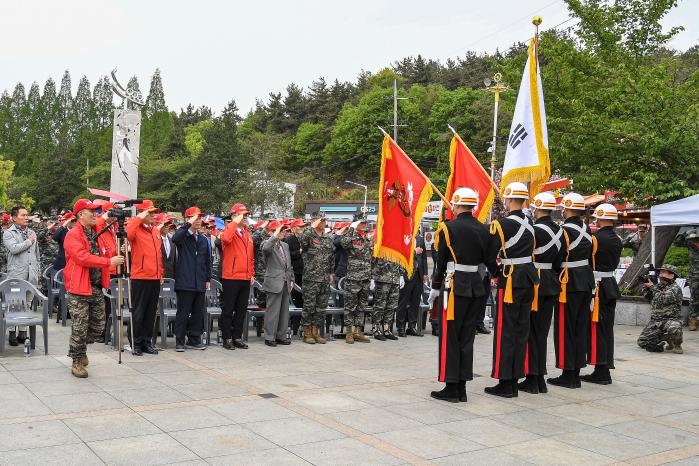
(543, 271)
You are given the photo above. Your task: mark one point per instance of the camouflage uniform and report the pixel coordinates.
(317, 266)
(386, 277)
(690, 240)
(665, 319)
(48, 249)
(359, 254)
(258, 237)
(87, 312)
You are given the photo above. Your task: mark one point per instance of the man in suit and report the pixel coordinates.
(411, 292)
(169, 250)
(279, 280)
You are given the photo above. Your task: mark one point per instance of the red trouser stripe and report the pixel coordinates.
(561, 336)
(593, 349)
(443, 350)
(498, 337)
(526, 359)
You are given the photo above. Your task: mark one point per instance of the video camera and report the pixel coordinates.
(120, 210)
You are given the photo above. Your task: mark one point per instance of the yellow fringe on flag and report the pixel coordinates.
(495, 227)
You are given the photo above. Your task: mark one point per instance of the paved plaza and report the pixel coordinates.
(336, 404)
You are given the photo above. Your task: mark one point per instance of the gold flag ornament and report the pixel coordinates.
(527, 157)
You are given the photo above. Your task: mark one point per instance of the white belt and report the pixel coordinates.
(516, 260)
(452, 267)
(601, 275)
(574, 264)
(543, 265)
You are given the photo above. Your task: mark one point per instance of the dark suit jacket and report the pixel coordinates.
(169, 262)
(295, 251)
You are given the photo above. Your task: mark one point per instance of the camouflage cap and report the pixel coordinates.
(669, 268)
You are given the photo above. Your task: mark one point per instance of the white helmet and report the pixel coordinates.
(573, 201)
(544, 201)
(516, 190)
(606, 212)
(464, 196)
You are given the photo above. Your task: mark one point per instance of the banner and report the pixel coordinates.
(467, 172)
(527, 156)
(126, 138)
(403, 193)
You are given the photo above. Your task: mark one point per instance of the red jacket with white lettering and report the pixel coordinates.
(238, 254)
(79, 261)
(146, 251)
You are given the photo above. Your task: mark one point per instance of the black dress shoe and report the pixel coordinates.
(401, 333)
(411, 332)
(238, 343)
(482, 330)
(530, 384)
(600, 376)
(542, 384)
(150, 350)
(271, 343)
(462, 392)
(565, 380)
(228, 344)
(449, 393)
(502, 389)
(284, 341)
(137, 352)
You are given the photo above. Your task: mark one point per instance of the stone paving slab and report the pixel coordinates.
(337, 404)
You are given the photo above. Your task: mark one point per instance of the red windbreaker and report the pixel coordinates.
(146, 252)
(238, 254)
(79, 261)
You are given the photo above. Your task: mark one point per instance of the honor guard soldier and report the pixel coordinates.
(463, 244)
(513, 240)
(577, 282)
(606, 251)
(548, 256)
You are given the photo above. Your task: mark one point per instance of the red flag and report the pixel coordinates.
(403, 193)
(467, 172)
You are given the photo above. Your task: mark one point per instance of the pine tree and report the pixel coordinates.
(49, 102)
(104, 102)
(63, 108)
(156, 96)
(134, 86)
(82, 107)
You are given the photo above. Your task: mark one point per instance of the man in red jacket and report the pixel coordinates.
(146, 275)
(88, 260)
(237, 272)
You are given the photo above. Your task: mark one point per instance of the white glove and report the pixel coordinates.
(354, 224)
(401, 282)
(372, 284)
(434, 294)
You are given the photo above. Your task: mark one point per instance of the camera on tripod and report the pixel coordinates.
(121, 209)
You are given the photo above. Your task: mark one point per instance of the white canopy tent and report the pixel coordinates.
(681, 212)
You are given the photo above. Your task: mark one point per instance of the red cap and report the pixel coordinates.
(68, 216)
(84, 204)
(297, 223)
(258, 224)
(274, 224)
(239, 209)
(5, 218)
(194, 210)
(103, 204)
(148, 205)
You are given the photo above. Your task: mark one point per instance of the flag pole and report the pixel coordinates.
(420, 171)
(497, 188)
(536, 21)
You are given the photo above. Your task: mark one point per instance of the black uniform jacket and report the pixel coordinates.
(607, 258)
(470, 241)
(524, 275)
(295, 253)
(579, 278)
(549, 284)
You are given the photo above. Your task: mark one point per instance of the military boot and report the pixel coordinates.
(692, 324)
(349, 338)
(308, 335)
(503, 389)
(449, 393)
(677, 348)
(78, 370)
(566, 379)
(378, 332)
(316, 335)
(359, 335)
(530, 384)
(84, 361)
(388, 333)
(600, 375)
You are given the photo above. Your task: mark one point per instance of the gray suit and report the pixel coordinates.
(278, 277)
(22, 255)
